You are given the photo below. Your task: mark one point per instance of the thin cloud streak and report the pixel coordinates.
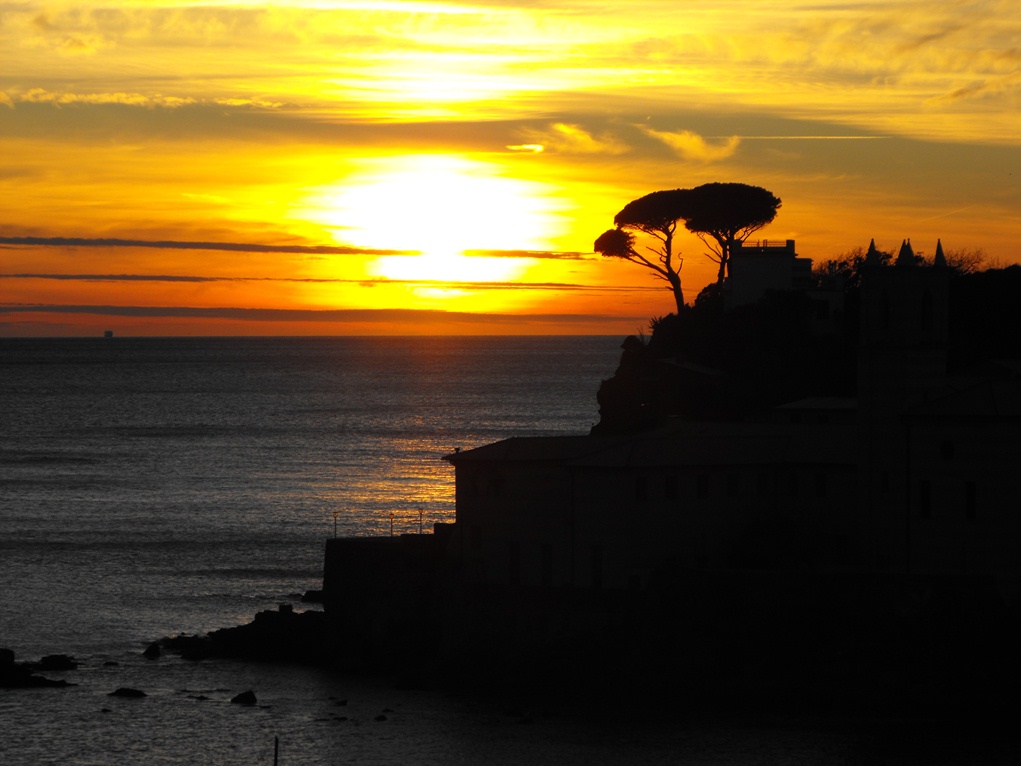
(260, 248)
(434, 283)
(310, 315)
(804, 138)
(175, 245)
(542, 254)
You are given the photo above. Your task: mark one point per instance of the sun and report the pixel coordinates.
(447, 268)
(440, 207)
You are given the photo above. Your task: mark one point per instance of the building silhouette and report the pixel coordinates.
(825, 521)
(913, 476)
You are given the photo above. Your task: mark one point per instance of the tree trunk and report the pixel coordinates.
(726, 248)
(675, 285)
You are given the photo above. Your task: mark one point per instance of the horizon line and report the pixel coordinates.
(302, 315)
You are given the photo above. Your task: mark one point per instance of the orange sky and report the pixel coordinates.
(390, 167)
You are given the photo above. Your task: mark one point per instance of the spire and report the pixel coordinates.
(939, 260)
(872, 256)
(906, 256)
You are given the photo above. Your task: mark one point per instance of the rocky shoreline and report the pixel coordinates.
(283, 635)
(23, 675)
(715, 667)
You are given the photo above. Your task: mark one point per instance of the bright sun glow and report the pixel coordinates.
(439, 206)
(447, 267)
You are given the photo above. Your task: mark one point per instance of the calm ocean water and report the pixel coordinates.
(149, 486)
(156, 486)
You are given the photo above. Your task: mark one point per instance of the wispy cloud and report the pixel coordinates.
(14, 96)
(65, 98)
(823, 137)
(692, 146)
(569, 138)
(548, 255)
(985, 88)
(176, 245)
(873, 60)
(441, 284)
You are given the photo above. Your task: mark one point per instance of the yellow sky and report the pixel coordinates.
(421, 167)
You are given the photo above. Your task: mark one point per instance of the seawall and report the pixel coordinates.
(692, 638)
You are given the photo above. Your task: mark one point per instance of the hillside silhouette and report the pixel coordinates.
(708, 363)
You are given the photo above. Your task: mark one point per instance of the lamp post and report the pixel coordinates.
(391, 523)
(420, 514)
(335, 515)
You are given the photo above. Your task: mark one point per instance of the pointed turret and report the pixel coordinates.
(906, 256)
(872, 256)
(939, 260)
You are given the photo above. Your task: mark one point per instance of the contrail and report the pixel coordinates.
(949, 212)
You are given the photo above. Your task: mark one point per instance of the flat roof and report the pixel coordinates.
(680, 444)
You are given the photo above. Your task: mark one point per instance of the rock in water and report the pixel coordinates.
(152, 651)
(126, 692)
(20, 676)
(245, 698)
(56, 662)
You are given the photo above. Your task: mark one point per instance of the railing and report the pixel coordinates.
(780, 244)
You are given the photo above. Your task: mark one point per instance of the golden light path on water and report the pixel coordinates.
(412, 491)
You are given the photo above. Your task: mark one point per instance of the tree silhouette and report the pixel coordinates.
(727, 213)
(655, 214)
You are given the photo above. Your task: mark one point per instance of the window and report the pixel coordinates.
(514, 563)
(547, 565)
(641, 488)
(733, 485)
(970, 500)
(927, 312)
(820, 484)
(925, 499)
(670, 487)
(793, 481)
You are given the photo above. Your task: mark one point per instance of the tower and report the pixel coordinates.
(904, 333)
(902, 362)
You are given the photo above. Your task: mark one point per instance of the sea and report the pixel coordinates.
(151, 487)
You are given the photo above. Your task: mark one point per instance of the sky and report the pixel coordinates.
(382, 167)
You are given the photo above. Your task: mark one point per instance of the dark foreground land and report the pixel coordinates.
(845, 649)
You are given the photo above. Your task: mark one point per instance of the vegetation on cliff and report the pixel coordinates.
(709, 363)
